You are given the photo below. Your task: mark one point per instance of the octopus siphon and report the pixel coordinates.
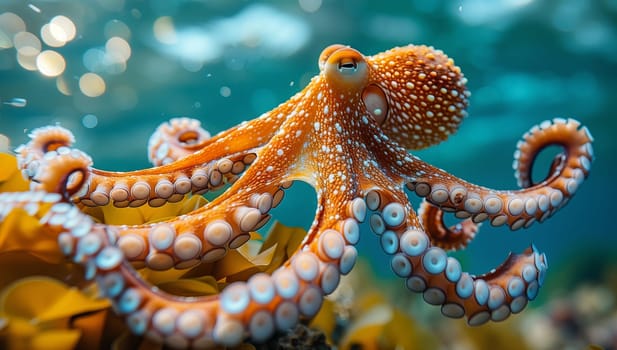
(348, 134)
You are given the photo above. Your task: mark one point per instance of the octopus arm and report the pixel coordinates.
(428, 269)
(518, 208)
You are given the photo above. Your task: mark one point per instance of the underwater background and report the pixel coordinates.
(123, 67)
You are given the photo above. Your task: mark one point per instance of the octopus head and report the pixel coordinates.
(416, 94)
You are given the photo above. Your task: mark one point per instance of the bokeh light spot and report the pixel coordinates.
(27, 62)
(27, 44)
(89, 121)
(48, 38)
(10, 24)
(50, 63)
(92, 85)
(225, 91)
(62, 28)
(164, 30)
(93, 59)
(118, 48)
(63, 86)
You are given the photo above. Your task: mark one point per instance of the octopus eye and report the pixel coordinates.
(347, 65)
(344, 67)
(376, 103)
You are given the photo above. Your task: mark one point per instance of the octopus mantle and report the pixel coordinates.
(347, 134)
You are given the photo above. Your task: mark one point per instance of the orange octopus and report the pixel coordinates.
(347, 134)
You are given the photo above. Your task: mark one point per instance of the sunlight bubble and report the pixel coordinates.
(62, 28)
(63, 86)
(93, 59)
(10, 24)
(48, 38)
(27, 62)
(225, 91)
(50, 63)
(27, 44)
(89, 121)
(118, 48)
(92, 85)
(164, 30)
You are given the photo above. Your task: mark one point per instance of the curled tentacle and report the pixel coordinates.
(454, 237)
(43, 140)
(523, 207)
(428, 270)
(546, 134)
(176, 139)
(64, 171)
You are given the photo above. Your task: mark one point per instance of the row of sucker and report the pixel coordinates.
(156, 190)
(520, 208)
(175, 139)
(255, 308)
(429, 270)
(199, 237)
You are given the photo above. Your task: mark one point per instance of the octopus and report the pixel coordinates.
(348, 134)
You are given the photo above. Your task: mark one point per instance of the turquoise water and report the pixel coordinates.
(224, 62)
